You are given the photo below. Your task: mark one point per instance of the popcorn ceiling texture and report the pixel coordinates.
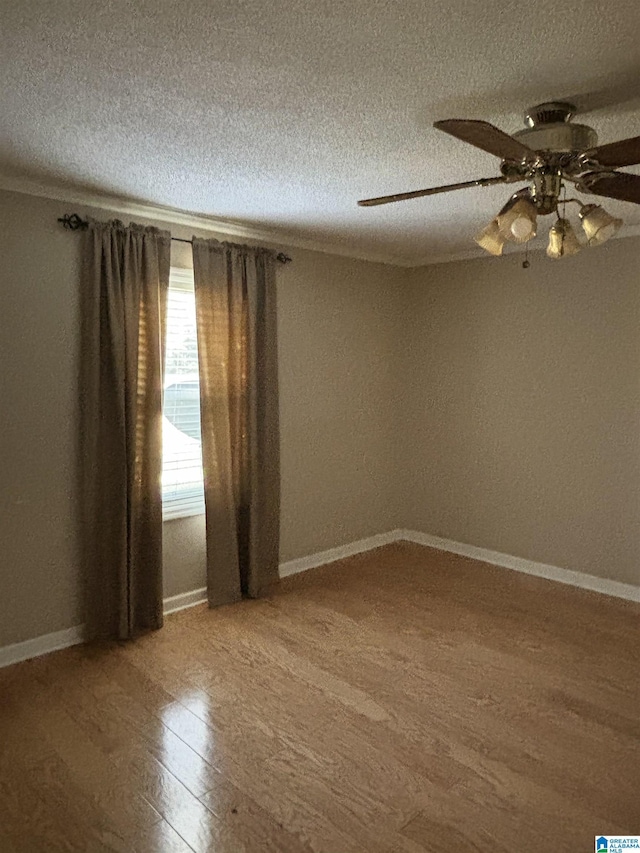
(283, 114)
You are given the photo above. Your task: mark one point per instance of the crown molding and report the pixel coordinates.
(218, 226)
(233, 228)
(433, 260)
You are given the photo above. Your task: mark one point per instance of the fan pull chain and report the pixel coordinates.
(564, 217)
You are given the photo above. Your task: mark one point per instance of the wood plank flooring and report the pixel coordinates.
(401, 701)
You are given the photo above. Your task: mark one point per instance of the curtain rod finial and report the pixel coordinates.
(73, 222)
(284, 259)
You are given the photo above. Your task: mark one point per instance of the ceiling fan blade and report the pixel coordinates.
(387, 199)
(626, 152)
(486, 136)
(612, 185)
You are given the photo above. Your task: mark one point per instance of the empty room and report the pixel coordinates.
(320, 443)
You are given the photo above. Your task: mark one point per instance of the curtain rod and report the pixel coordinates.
(73, 222)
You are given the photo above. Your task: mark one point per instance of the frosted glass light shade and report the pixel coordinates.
(519, 223)
(562, 240)
(490, 238)
(597, 224)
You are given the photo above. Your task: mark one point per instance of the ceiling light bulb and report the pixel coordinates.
(522, 229)
(518, 223)
(490, 238)
(562, 240)
(597, 224)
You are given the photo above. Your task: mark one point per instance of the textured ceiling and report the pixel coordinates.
(283, 114)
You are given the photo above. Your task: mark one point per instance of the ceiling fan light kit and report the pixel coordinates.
(517, 221)
(597, 224)
(491, 239)
(549, 153)
(562, 239)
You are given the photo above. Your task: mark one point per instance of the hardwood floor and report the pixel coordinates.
(401, 700)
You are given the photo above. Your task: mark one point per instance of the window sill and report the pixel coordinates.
(170, 513)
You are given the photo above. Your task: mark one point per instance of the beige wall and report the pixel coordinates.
(476, 401)
(184, 555)
(337, 325)
(522, 407)
(39, 579)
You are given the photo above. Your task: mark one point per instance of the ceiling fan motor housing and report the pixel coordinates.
(549, 128)
(549, 151)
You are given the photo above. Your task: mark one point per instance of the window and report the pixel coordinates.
(182, 478)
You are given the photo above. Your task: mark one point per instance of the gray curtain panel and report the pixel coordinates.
(124, 296)
(237, 351)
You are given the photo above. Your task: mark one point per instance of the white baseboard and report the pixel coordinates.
(72, 636)
(41, 645)
(292, 567)
(529, 567)
(184, 600)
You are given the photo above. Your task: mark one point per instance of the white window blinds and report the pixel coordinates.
(182, 479)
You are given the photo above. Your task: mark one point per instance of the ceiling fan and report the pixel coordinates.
(548, 153)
